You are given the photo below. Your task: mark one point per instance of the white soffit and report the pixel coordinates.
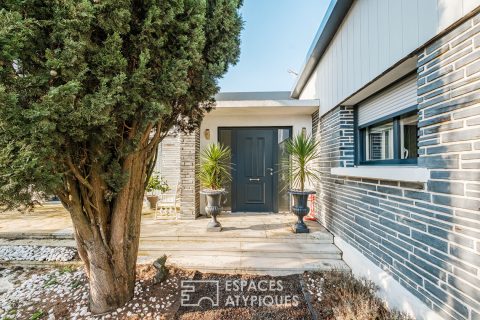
(232, 103)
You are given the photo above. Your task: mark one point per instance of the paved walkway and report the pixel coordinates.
(248, 243)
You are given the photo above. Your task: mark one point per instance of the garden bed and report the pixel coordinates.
(63, 293)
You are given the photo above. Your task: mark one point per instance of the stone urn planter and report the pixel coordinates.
(213, 208)
(300, 209)
(152, 200)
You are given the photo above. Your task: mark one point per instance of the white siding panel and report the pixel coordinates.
(383, 34)
(396, 31)
(365, 45)
(469, 5)
(374, 36)
(448, 12)
(168, 161)
(428, 23)
(410, 30)
(396, 98)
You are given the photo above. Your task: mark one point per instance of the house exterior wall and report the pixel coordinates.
(375, 35)
(424, 235)
(168, 163)
(178, 161)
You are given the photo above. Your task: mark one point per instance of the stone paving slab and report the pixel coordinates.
(55, 220)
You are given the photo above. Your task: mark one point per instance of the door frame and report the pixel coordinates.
(275, 160)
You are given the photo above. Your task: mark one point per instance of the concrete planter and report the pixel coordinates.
(213, 208)
(300, 209)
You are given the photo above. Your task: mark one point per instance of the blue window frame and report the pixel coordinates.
(391, 140)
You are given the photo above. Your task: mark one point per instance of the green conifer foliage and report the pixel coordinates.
(88, 89)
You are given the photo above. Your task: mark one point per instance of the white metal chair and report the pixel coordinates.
(168, 204)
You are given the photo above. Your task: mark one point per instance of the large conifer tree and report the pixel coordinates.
(88, 89)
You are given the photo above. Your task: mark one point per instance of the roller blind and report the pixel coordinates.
(399, 96)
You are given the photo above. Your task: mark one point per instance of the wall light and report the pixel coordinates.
(304, 131)
(206, 134)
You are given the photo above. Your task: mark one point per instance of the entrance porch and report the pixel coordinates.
(249, 243)
(254, 243)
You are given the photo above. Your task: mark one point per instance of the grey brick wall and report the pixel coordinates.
(427, 236)
(189, 163)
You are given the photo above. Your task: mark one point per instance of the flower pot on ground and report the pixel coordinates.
(155, 183)
(214, 173)
(303, 151)
(152, 200)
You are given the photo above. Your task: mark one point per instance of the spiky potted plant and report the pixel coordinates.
(303, 150)
(214, 173)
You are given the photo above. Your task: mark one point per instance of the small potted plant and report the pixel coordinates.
(155, 183)
(213, 174)
(303, 150)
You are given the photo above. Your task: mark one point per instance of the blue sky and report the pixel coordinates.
(275, 38)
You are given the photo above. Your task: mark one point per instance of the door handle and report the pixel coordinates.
(254, 179)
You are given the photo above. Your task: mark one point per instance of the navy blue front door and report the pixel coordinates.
(254, 155)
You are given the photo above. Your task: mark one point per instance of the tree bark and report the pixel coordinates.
(107, 230)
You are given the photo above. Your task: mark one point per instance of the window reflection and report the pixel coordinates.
(380, 142)
(283, 198)
(409, 137)
(225, 138)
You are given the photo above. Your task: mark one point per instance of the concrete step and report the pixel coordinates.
(245, 249)
(252, 254)
(233, 256)
(322, 237)
(257, 265)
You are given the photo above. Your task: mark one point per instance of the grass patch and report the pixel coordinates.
(344, 297)
(51, 281)
(37, 315)
(67, 269)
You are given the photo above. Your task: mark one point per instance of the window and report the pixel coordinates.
(386, 124)
(389, 141)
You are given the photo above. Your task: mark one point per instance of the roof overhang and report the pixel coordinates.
(265, 103)
(336, 12)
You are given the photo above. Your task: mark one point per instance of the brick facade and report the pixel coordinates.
(427, 236)
(190, 186)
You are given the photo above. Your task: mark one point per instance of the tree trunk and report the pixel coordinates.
(110, 287)
(107, 231)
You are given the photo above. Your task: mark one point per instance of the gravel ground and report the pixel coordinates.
(36, 253)
(63, 294)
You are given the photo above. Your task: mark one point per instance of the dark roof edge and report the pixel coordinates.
(336, 12)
